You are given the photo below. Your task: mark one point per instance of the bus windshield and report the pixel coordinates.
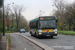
(47, 24)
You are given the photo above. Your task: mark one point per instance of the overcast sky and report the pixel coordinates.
(34, 6)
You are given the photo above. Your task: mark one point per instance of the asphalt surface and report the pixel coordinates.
(60, 42)
(3, 43)
(19, 43)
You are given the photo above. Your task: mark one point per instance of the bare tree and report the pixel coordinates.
(17, 11)
(67, 12)
(70, 15)
(60, 5)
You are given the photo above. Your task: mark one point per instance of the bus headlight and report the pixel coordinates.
(40, 33)
(40, 30)
(55, 32)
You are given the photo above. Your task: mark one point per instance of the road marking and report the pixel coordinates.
(73, 41)
(19, 42)
(24, 48)
(16, 38)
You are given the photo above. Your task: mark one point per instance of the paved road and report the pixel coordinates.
(19, 43)
(60, 42)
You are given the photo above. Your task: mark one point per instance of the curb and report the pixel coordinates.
(7, 45)
(41, 45)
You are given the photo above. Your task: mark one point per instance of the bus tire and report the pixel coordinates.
(51, 36)
(37, 36)
(31, 33)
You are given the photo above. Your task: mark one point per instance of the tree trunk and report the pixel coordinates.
(17, 25)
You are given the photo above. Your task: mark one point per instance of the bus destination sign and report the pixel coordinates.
(46, 18)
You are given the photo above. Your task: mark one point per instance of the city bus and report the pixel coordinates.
(43, 26)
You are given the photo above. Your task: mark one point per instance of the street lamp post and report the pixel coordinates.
(3, 21)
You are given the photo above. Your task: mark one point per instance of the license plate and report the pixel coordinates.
(47, 35)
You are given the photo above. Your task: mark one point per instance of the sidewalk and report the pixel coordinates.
(3, 43)
(19, 43)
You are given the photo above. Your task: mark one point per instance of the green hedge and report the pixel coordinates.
(67, 32)
(8, 32)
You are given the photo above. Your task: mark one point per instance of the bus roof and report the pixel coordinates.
(39, 17)
(34, 19)
(47, 16)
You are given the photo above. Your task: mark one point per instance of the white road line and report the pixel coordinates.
(24, 48)
(19, 42)
(16, 38)
(73, 41)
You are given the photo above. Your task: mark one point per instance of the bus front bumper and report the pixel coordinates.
(48, 34)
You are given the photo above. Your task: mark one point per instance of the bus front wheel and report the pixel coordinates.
(31, 33)
(51, 36)
(37, 35)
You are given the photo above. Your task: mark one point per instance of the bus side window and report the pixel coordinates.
(37, 24)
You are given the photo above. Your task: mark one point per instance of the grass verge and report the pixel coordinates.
(9, 44)
(67, 32)
(9, 32)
